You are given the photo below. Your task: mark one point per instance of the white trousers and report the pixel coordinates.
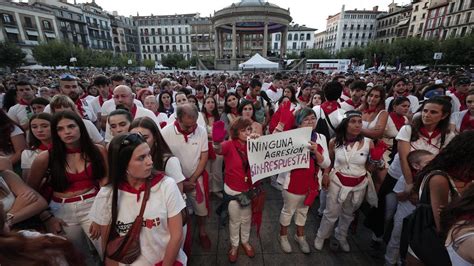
(76, 216)
(240, 219)
(198, 208)
(336, 210)
(293, 205)
(214, 169)
(392, 253)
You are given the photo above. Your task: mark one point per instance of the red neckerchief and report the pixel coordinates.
(208, 115)
(250, 98)
(462, 100)
(346, 93)
(185, 134)
(73, 150)
(451, 89)
(330, 106)
(272, 88)
(79, 107)
(101, 99)
(242, 151)
(425, 134)
(43, 147)
(199, 97)
(134, 111)
(301, 98)
(370, 110)
(22, 102)
(235, 112)
(398, 120)
(221, 94)
(351, 103)
(125, 186)
(467, 123)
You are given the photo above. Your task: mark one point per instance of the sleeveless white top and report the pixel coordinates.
(350, 161)
(373, 123)
(452, 248)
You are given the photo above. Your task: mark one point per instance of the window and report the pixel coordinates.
(372, 27)
(294, 46)
(363, 35)
(159, 31)
(357, 35)
(46, 25)
(358, 26)
(352, 26)
(461, 3)
(458, 18)
(277, 38)
(365, 26)
(302, 37)
(423, 16)
(295, 37)
(308, 36)
(275, 46)
(345, 26)
(342, 44)
(414, 18)
(350, 35)
(343, 35)
(172, 31)
(7, 19)
(349, 44)
(370, 35)
(303, 45)
(290, 37)
(463, 31)
(416, 8)
(28, 22)
(468, 16)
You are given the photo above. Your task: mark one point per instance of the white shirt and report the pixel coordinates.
(414, 103)
(335, 117)
(346, 107)
(350, 161)
(110, 106)
(455, 102)
(87, 112)
(395, 169)
(93, 132)
(165, 202)
(173, 170)
(19, 114)
(391, 130)
(456, 119)
(188, 153)
(274, 96)
(27, 158)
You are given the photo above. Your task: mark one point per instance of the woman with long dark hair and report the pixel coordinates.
(77, 167)
(231, 109)
(443, 179)
(118, 204)
(165, 103)
(397, 118)
(347, 179)
(214, 162)
(429, 131)
(247, 111)
(39, 140)
(163, 159)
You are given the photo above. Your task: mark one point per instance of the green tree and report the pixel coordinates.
(411, 51)
(53, 53)
(458, 51)
(317, 54)
(11, 55)
(356, 53)
(149, 64)
(172, 60)
(292, 55)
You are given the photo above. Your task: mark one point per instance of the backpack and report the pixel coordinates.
(419, 228)
(322, 126)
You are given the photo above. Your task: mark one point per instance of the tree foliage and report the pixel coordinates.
(11, 55)
(149, 64)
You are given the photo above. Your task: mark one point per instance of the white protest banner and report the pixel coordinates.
(278, 153)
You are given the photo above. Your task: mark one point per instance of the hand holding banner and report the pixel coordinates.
(278, 153)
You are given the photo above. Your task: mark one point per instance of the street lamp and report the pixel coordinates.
(129, 62)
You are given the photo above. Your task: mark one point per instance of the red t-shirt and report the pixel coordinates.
(234, 168)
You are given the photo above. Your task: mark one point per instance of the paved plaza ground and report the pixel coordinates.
(267, 247)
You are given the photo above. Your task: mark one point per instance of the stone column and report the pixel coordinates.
(221, 44)
(241, 44)
(234, 40)
(283, 42)
(216, 43)
(265, 40)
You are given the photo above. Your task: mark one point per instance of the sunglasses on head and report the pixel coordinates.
(67, 77)
(132, 138)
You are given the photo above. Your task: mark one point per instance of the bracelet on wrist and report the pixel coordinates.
(47, 218)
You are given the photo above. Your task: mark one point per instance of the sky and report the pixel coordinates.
(312, 13)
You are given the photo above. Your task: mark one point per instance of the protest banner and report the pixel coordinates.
(278, 153)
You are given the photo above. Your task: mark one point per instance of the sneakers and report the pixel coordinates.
(318, 243)
(284, 243)
(344, 245)
(304, 247)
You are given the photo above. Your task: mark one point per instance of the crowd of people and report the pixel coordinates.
(102, 167)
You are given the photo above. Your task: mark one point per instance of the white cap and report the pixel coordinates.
(370, 84)
(438, 81)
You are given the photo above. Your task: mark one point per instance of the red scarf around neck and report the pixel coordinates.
(426, 134)
(22, 102)
(134, 111)
(73, 150)
(303, 99)
(462, 100)
(467, 123)
(370, 110)
(398, 120)
(235, 111)
(185, 134)
(43, 147)
(351, 103)
(79, 107)
(330, 106)
(272, 88)
(125, 186)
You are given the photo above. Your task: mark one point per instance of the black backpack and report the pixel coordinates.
(419, 229)
(322, 126)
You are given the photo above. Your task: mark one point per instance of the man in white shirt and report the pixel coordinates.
(68, 86)
(458, 97)
(188, 142)
(123, 95)
(275, 91)
(402, 90)
(22, 111)
(103, 85)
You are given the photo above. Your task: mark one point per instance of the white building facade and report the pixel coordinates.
(299, 38)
